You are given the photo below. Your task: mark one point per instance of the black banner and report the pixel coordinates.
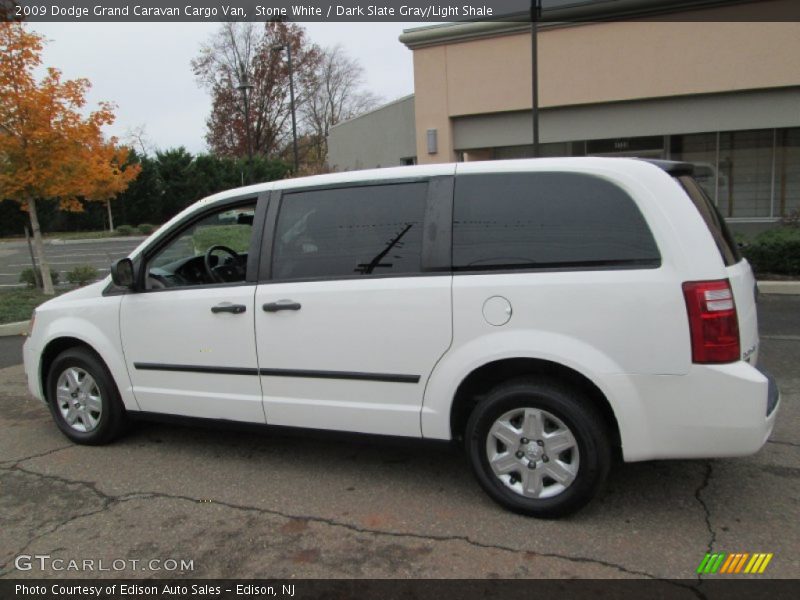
(400, 589)
(396, 10)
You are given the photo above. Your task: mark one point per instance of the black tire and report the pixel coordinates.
(575, 411)
(111, 421)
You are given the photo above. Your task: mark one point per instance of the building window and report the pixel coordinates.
(649, 147)
(787, 171)
(745, 162)
(526, 151)
(750, 175)
(699, 149)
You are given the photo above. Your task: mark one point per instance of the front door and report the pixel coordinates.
(188, 336)
(350, 327)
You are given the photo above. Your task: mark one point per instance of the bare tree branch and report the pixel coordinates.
(335, 94)
(239, 51)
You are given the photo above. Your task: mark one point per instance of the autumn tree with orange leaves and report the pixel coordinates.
(49, 150)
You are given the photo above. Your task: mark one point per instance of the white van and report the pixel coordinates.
(546, 313)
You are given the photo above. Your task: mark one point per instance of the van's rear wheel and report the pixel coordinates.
(83, 398)
(538, 448)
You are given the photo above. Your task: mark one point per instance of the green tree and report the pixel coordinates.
(141, 202)
(178, 187)
(173, 179)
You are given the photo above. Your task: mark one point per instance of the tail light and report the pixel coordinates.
(713, 323)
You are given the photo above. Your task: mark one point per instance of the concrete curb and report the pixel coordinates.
(779, 287)
(18, 328)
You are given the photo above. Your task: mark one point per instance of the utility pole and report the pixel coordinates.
(288, 48)
(536, 14)
(245, 87)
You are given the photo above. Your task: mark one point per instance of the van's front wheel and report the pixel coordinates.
(83, 398)
(538, 448)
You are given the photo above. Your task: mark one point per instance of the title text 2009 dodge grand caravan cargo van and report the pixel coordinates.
(546, 312)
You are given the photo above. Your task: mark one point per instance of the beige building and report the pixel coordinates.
(699, 87)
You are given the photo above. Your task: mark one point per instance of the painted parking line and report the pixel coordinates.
(55, 252)
(66, 254)
(62, 270)
(79, 251)
(68, 261)
(84, 258)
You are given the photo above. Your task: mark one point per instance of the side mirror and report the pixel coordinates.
(122, 273)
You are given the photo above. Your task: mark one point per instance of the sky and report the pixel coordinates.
(144, 69)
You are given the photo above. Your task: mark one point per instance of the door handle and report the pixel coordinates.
(227, 307)
(281, 305)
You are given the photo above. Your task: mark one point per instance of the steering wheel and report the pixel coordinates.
(223, 272)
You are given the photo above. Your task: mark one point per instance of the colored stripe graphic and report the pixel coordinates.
(718, 562)
(759, 563)
(753, 561)
(703, 563)
(732, 560)
(741, 562)
(721, 562)
(711, 563)
(766, 562)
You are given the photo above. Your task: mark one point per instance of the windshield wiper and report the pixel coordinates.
(368, 268)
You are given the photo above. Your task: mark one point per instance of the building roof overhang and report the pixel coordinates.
(555, 13)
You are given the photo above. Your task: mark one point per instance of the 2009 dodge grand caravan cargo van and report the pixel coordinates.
(545, 312)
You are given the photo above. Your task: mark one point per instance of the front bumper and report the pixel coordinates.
(31, 358)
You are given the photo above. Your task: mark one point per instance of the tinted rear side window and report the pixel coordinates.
(727, 246)
(350, 232)
(541, 220)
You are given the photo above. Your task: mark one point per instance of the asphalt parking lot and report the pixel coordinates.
(63, 256)
(273, 505)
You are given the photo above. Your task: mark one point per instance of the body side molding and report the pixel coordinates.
(303, 373)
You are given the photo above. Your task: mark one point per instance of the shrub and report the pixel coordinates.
(776, 251)
(125, 230)
(792, 219)
(82, 275)
(146, 228)
(28, 278)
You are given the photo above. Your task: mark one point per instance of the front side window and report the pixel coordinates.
(547, 220)
(211, 250)
(350, 232)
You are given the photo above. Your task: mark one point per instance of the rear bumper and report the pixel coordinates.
(713, 411)
(773, 393)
